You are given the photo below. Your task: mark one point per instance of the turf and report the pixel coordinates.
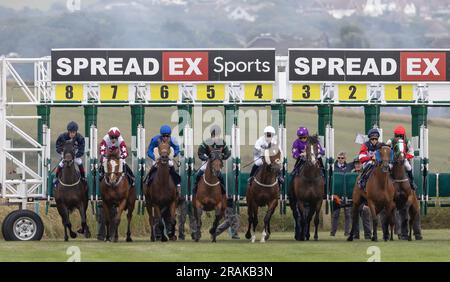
(281, 247)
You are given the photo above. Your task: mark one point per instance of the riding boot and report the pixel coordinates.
(252, 173)
(175, 177)
(82, 172)
(280, 177)
(411, 180)
(57, 172)
(197, 179)
(222, 184)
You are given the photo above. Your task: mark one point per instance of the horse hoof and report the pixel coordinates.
(374, 239)
(80, 231)
(253, 239)
(267, 237)
(73, 235)
(248, 235)
(316, 238)
(115, 240)
(409, 239)
(350, 239)
(196, 239)
(66, 238)
(173, 238)
(211, 231)
(129, 239)
(100, 238)
(87, 235)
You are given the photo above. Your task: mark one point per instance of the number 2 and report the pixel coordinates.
(352, 88)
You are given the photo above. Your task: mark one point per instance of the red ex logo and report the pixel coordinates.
(182, 66)
(422, 66)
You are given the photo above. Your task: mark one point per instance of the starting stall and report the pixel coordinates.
(233, 80)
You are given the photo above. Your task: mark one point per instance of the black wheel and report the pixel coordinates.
(5, 236)
(23, 225)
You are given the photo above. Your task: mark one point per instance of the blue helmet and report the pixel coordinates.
(72, 126)
(373, 133)
(165, 129)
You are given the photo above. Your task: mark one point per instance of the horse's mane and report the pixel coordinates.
(313, 139)
(114, 154)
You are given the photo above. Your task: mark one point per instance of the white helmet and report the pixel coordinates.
(269, 129)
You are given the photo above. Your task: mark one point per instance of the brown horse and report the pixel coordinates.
(307, 188)
(117, 196)
(264, 190)
(209, 194)
(379, 195)
(161, 194)
(405, 198)
(71, 193)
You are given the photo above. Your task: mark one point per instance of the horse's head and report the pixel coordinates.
(399, 148)
(385, 156)
(273, 157)
(113, 167)
(68, 153)
(215, 161)
(312, 150)
(163, 152)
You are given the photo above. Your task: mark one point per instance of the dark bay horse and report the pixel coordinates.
(71, 193)
(405, 198)
(117, 196)
(161, 194)
(308, 188)
(209, 194)
(379, 195)
(264, 190)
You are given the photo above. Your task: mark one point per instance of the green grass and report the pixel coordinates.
(281, 247)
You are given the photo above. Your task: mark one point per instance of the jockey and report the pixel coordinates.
(71, 134)
(264, 142)
(400, 133)
(111, 142)
(367, 155)
(164, 136)
(298, 150)
(215, 142)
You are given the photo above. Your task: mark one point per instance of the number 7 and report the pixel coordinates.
(114, 87)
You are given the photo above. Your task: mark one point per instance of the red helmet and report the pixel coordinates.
(114, 132)
(399, 130)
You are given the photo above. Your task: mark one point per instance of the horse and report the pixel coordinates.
(117, 196)
(405, 197)
(307, 188)
(71, 193)
(161, 194)
(379, 194)
(264, 190)
(209, 194)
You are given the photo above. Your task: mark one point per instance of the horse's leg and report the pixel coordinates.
(309, 215)
(218, 215)
(129, 217)
(173, 222)
(385, 223)
(248, 234)
(255, 222)
(302, 217)
(392, 220)
(356, 197)
(316, 220)
(62, 210)
(150, 221)
(198, 219)
(271, 209)
(84, 227)
(373, 213)
(107, 218)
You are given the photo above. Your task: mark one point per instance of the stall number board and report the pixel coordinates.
(258, 92)
(69, 92)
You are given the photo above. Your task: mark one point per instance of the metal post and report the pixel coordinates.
(279, 123)
(137, 144)
(43, 124)
(187, 158)
(326, 119)
(232, 138)
(419, 121)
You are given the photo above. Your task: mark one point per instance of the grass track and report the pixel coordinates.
(281, 247)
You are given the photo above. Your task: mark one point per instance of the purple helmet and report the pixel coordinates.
(302, 131)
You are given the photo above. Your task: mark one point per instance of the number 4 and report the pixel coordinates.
(258, 91)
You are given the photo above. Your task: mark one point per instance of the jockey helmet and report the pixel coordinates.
(400, 130)
(72, 126)
(302, 132)
(113, 132)
(269, 129)
(373, 133)
(165, 130)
